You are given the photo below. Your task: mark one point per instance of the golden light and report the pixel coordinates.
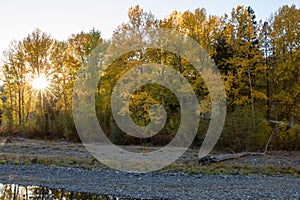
(40, 82)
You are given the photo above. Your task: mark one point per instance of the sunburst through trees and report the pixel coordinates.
(259, 62)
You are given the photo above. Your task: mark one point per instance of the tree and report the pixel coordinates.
(284, 69)
(26, 60)
(46, 109)
(286, 44)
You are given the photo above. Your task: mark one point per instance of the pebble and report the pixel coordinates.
(154, 186)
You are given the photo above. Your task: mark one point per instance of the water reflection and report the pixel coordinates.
(19, 192)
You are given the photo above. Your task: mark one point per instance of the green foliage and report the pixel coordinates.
(242, 132)
(286, 138)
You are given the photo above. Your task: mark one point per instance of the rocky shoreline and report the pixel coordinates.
(153, 185)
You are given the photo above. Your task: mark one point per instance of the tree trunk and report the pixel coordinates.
(251, 92)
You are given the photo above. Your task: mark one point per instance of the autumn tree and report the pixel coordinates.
(258, 62)
(26, 60)
(285, 80)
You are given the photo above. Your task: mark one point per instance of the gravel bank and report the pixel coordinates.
(154, 185)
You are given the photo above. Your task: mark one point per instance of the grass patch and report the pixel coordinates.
(233, 168)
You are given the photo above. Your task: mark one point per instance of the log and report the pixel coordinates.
(11, 139)
(5, 141)
(224, 157)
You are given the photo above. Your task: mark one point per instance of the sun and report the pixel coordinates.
(40, 82)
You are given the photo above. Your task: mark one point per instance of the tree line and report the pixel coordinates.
(259, 62)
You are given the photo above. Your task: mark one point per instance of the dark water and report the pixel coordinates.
(19, 192)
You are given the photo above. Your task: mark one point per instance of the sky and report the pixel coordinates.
(61, 18)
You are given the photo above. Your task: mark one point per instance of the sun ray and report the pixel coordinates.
(40, 82)
(42, 86)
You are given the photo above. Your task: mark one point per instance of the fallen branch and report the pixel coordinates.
(221, 158)
(274, 131)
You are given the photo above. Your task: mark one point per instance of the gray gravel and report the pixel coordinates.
(153, 185)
